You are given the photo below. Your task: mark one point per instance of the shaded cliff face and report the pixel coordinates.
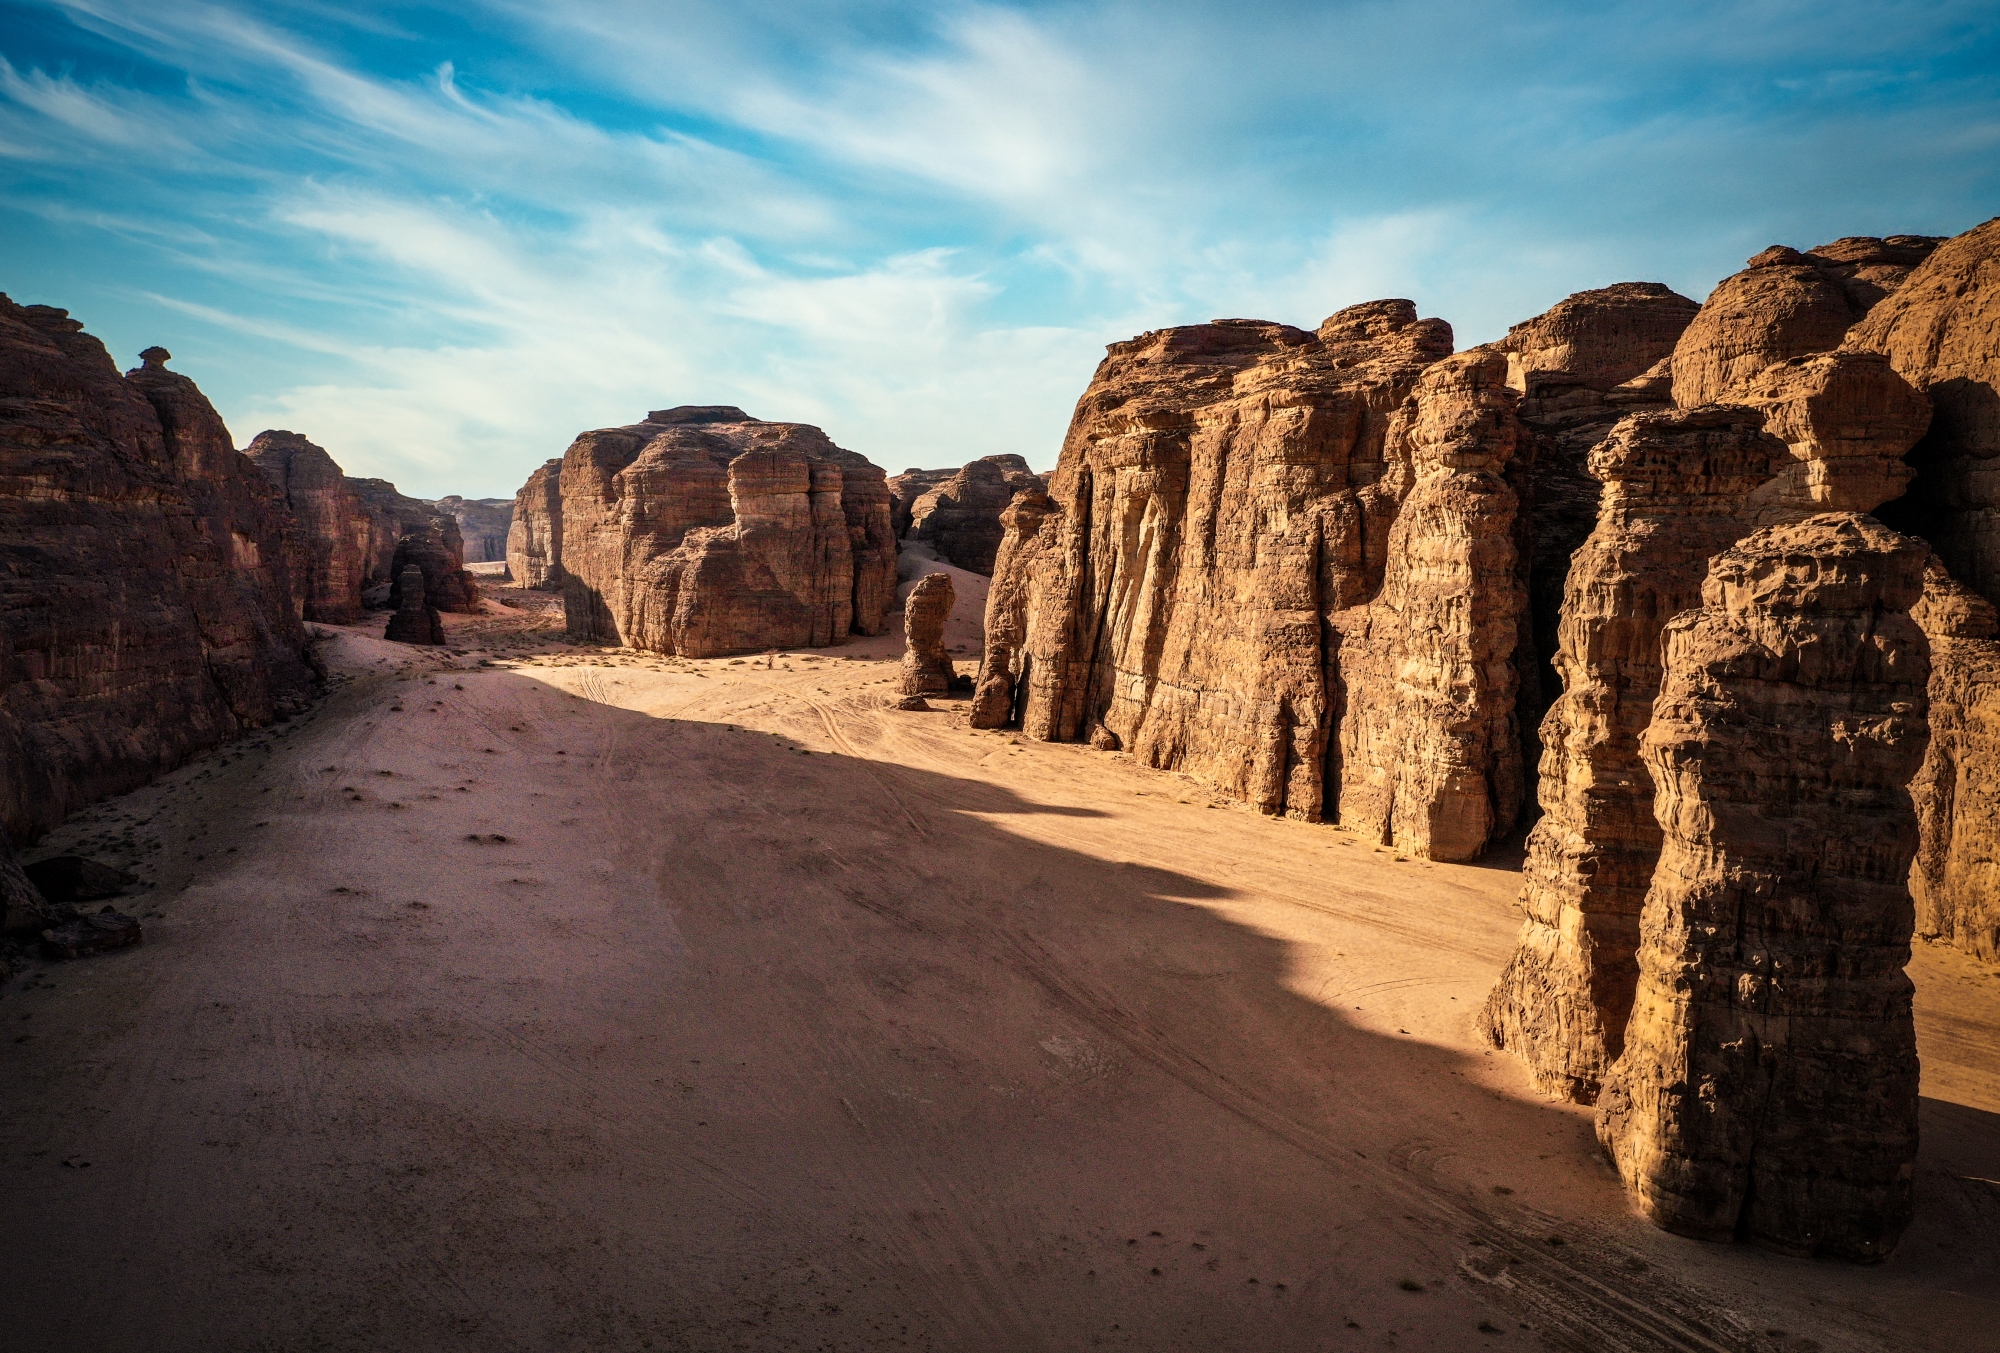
(404, 529)
(959, 516)
(145, 607)
(534, 537)
(904, 491)
(1768, 1085)
(483, 524)
(704, 531)
(1956, 879)
(333, 529)
(1225, 491)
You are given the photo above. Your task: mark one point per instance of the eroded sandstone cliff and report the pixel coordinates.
(959, 516)
(1956, 879)
(534, 537)
(1768, 1083)
(146, 608)
(704, 531)
(926, 666)
(332, 527)
(483, 524)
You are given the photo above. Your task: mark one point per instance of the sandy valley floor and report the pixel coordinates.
(535, 998)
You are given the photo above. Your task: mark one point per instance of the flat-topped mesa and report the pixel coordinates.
(534, 538)
(703, 530)
(1674, 485)
(1224, 491)
(926, 663)
(483, 524)
(1786, 304)
(146, 612)
(1768, 1084)
(415, 620)
(959, 517)
(1429, 748)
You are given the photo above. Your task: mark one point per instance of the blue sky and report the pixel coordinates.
(442, 239)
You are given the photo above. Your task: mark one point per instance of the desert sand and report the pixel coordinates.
(531, 997)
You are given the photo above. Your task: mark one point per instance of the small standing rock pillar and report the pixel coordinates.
(926, 665)
(414, 622)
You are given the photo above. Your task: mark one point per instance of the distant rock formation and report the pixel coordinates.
(958, 515)
(404, 528)
(703, 530)
(483, 524)
(904, 491)
(926, 664)
(1768, 1083)
(147, 608)
(1224, 492)
(416, 621)
(534, 539)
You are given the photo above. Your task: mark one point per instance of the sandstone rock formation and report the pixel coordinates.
(1768, 1085)
(144, 616)
(416, 621)
(1956, 879)
(1786, 304)
(534, 539)
(926, 663)
(1941, 331)
(704, 531)
(483, 525)
(405, 529)
(959, 516)
(1429, 747)
(1674, 486)
(1226, 490)
(23, 909)
(333, 529)
(904, 491)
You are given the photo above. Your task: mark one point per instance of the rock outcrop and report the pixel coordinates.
(1674, 482)
(1768, 1084)
(1786, 304)
(1956, 879)
(23, 909)
(926, 664)
(416, 621)
(483, 525)
(146, 607)
(1430, 751)
(959, 517)
(705, 531)
(1225, 491)
(904, 491)
(333, 529)
(404, 529)
(534, 538)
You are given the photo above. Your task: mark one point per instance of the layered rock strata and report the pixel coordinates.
(1430, 751)
(1956, 879)
(416, 621)
(1225, 492)
(404, 529)
(904, 491)
(334, 547)
(959, 517)
(534, 537)
(705, 531)
(483, 525)
(1768, 1085)
(146, 610)
(926, 666)
(1674, 487)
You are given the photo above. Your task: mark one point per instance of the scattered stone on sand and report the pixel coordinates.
(64, 879)
(84, 933)
(927, 666)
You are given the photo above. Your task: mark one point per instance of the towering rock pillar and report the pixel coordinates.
(1430, 752)
(1674, 483)
(1768, 1085)
(926, 664)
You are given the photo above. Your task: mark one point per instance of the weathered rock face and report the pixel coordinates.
(1226, 491)
(534, 538)
(1941, 331)
(136, 629)
(416, 621)
(401, 527)
(23, 909)
(1590, 360)
(1786, 304)
(1768, 1085)
(1956, 879)
(483, 524)
(1430, 751)
(333, 529)
(1674, 482)
(904, 491)
(433, 552)
(960, 517)
(705, 531)
(926, 664)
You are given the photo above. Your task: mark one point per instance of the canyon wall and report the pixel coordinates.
(483, 525)
(534, 537)
(1768, 1083)
(147, 607)
(704, 531)
(959, 516)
